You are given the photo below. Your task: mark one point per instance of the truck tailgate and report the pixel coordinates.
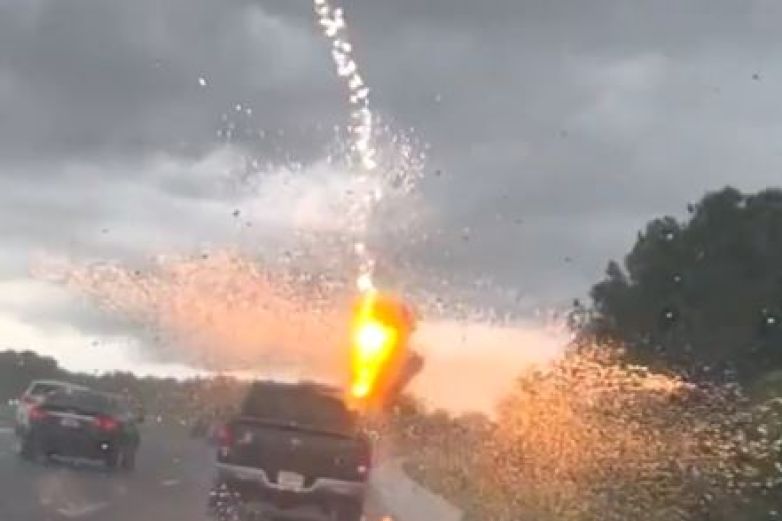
(314, 454)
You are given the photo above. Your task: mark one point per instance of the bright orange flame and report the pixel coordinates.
(377, 338)
(373, 346)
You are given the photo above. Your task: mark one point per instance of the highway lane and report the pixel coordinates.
(170, 483)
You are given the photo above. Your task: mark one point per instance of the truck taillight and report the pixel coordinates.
(225, 436)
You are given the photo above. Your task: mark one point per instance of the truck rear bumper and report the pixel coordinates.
(264, 511)
(257, 497)
(320, 487)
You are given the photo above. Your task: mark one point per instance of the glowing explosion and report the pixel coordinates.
(379, 338)
(378, 335)
(227, 311)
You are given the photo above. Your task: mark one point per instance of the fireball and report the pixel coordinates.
(379, 334)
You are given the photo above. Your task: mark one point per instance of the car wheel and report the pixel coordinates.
(113, 459)
(129, 459)
(25, 447)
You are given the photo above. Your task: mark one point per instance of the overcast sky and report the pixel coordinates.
(557, 129)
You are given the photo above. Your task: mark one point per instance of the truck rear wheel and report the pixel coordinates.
(113, 459)
(225, 505)
(351, 511)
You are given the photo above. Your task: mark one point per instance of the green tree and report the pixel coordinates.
(704, 293)
(17, 369)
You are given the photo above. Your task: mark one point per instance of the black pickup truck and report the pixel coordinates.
(294, 452)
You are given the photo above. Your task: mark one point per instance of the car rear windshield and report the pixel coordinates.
(300, 407)
(81, 402)
(40, 389)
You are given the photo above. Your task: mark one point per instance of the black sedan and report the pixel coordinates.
(82, 424)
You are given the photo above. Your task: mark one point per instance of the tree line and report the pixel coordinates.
(702, 295)
(167, 397)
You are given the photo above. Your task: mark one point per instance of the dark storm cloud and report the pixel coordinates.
(84, 77)
(563, 127)
(558, 127)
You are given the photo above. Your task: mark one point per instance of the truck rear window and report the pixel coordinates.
(301, 407)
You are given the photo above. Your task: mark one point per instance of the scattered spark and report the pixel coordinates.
(266, 318)
(591, 437)
(332, 21)
(364, 282)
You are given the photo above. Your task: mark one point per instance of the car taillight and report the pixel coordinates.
(106, 423)
(225, 436)
(37, 414)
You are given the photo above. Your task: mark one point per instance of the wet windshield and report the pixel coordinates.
(528, 252)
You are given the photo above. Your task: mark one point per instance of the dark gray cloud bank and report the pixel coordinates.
(558, 128)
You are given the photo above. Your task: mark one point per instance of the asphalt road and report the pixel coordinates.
(170, 483)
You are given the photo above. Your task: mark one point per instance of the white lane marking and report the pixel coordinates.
(170, 482)
(77, 511)
(6, 430)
